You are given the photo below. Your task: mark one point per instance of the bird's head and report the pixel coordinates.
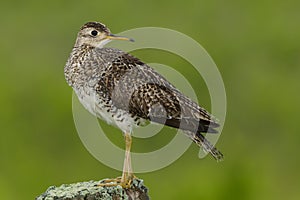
(96, 34)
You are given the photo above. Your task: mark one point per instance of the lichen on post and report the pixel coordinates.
(92, 191)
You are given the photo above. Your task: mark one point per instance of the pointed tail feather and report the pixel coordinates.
(201, 141)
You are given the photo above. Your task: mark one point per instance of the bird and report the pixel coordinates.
(125, 92)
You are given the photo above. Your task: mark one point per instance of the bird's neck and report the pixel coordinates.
(74, 65)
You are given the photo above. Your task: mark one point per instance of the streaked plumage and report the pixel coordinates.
(122, 90)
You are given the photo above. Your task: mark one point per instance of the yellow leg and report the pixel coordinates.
(127, 175)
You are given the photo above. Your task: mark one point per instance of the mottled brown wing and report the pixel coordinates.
(139, 89)
(161, 104)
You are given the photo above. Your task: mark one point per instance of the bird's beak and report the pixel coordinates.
(115, 37)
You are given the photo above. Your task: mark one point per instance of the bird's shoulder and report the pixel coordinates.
(120, 65)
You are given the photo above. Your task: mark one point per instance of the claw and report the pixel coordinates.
(110, 182)
(125, 182)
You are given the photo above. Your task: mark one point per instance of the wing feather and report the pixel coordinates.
(136, 87)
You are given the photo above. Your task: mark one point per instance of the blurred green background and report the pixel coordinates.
(255, 44)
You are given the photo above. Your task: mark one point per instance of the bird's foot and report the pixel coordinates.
(125, 181)
(110, 182)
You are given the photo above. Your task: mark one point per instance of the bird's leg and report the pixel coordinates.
(127, 175)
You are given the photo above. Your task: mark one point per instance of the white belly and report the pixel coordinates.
(119, 118)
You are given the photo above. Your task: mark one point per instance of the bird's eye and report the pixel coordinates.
(94, 33)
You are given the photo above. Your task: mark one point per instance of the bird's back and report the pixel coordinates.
(134, 86)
